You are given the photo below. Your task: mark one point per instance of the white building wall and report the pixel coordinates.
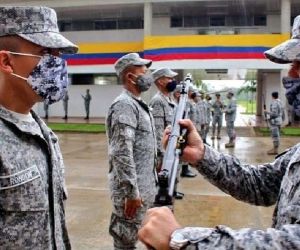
(102, 97)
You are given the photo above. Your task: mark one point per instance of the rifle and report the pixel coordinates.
(167, 175)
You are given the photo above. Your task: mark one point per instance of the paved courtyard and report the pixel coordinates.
(88, 207)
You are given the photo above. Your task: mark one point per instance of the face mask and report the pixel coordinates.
(292, 86)
(49, 78)
(144, 82)
(171, 86)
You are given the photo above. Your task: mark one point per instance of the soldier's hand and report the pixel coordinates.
(157, 227)
(194, 149)
(131, 206)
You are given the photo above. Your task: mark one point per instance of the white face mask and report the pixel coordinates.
(49, 78)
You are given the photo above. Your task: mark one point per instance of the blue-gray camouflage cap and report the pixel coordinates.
(130, 59)
(156, 74)
(289, 50)
(35, 24)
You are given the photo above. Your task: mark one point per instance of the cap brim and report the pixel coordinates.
(142, 62)
(285, 52)
(51, 40)
(172, 74)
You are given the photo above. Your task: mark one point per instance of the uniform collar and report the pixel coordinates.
(38, 127)
(167, 98)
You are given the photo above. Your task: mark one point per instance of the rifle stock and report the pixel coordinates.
(167, 175)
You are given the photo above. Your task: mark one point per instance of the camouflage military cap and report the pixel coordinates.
(163, 72)
(193, 89)
(35, 24)
(130, 59)
(289, 50)
(230, 92)
(178, 87)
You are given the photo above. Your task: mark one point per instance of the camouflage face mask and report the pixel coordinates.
(292, 86)
(49, 78)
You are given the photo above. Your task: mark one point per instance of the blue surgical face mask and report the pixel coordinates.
(171, 86)
(49, 78)
(292, 86)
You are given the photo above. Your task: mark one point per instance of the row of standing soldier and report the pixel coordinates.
(134, 132)
(87, 100)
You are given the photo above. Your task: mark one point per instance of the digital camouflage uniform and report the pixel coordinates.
(132, 153)
(32, 188)
(208, 117)
(217, 117)
(275, 121)
(230, 115)
(262, 185)
(191, 111)
(162, 108)
(87, 100)
(65, 104)
(201, 117)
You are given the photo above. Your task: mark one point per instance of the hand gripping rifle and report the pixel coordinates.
(167, 175)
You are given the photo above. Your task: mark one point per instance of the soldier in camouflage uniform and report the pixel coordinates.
(217, 106)
(275, 120)
(230, 115)
(132, 152)
(32, 187)
(162, 105)
(65, 105)
(265, 184)
(87, 101)
(208, 115)
(201, 111)
(163, 108)
(192, 115)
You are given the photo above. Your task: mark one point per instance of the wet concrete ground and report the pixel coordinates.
(89, 207)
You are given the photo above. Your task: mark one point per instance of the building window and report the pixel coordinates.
(260, 20)
(195, 21)
(82, 79)
(176, 21)
(239, 20)
(93, 79)
(106, 79)
(132, 23)
(65, 25)
(105, 24)
(217, 20)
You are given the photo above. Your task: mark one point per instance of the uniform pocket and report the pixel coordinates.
(23, 191)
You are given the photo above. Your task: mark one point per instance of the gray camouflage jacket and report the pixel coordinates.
(202, 112)
(163, 112)
(191, 111)
(262, 185)
(218, 108)
(230, 110)
(32, 188)
(131, 149)
(276, 112)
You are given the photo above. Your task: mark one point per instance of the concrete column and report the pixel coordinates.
(285, 16)
(147, 19)
(259, 94)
